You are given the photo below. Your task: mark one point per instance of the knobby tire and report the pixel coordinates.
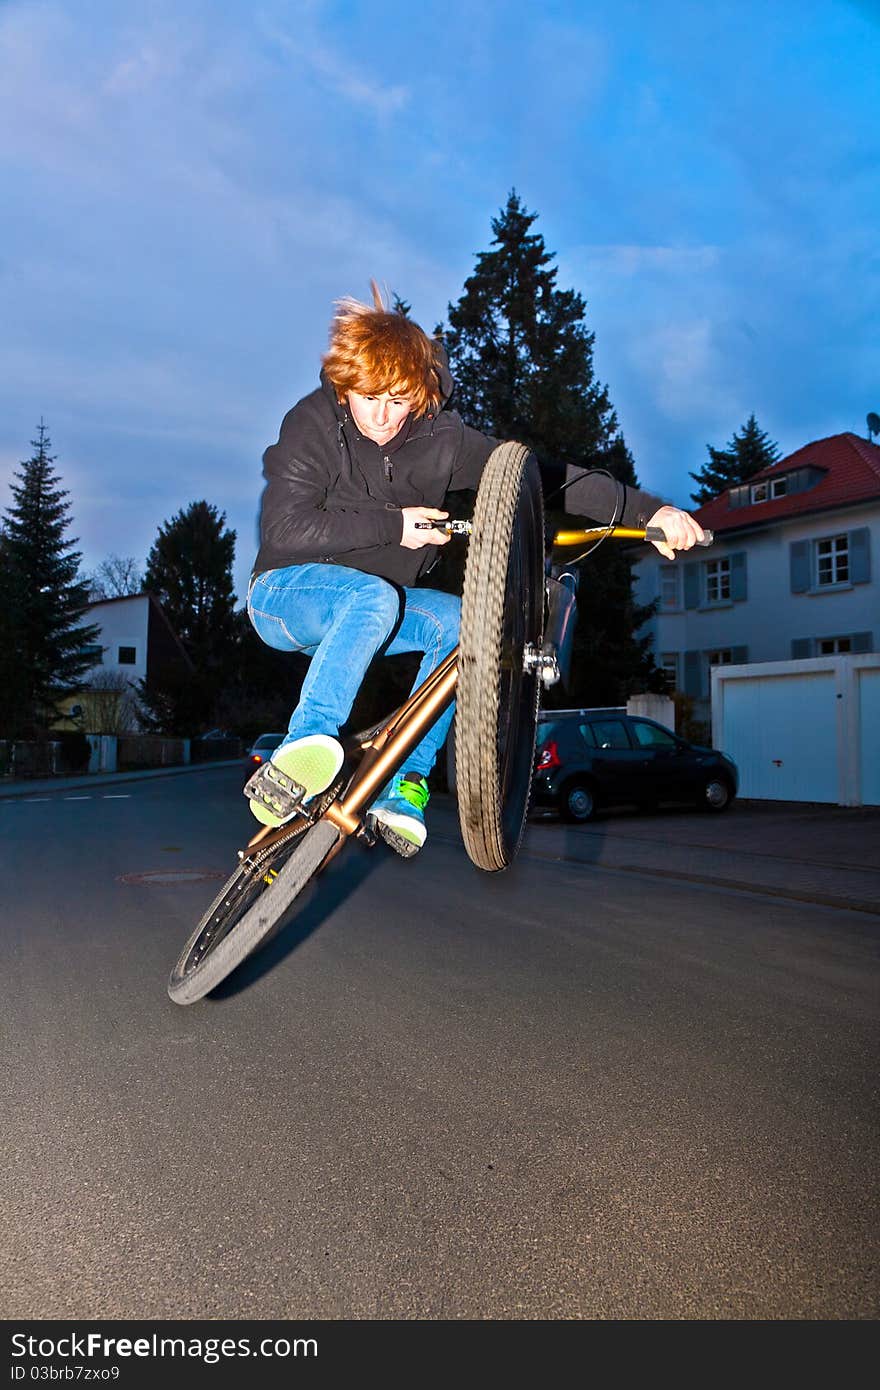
(496, 700)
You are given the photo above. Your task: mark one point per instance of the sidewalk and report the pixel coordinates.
(828, 855)
(39, 786)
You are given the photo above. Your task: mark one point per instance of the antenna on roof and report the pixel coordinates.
(873, 424)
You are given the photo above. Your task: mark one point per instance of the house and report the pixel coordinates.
(789, 575)
(135, 642)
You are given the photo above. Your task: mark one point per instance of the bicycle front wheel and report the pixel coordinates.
(247, 910)
(502, 614)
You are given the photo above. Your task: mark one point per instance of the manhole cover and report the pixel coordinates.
(170, 877)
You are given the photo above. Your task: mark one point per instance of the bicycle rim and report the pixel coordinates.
(247, 910)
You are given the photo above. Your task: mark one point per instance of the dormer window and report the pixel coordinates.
(769, 488)
(779, 485)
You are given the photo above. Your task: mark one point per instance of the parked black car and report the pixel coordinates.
(606, 757)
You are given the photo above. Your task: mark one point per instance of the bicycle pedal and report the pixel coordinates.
(274, 791)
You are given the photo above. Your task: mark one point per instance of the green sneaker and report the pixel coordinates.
(399, 813)
(295, 772)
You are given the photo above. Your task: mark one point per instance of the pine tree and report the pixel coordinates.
(522, 358)
(521, 353)
(41, 598)
(14, 719)
(400, 306)
(189, 569)
(746, 454)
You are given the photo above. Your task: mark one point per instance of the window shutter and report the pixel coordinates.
(691, 584)
(860, 556)
(861, 642)
(801, 647)
(692, 674)
(738, 575)
(799, 552)
(739, 655)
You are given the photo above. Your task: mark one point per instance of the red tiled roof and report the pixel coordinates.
(852, 474)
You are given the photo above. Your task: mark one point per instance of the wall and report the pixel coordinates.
(767, 620)
(123, 623)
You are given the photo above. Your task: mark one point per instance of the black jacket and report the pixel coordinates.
(333, 496)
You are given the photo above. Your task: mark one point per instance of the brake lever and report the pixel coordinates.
(452, 528)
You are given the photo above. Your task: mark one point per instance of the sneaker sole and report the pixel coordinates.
(311, 763)
(403, 834)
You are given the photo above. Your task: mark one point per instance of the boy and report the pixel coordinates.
(360, 471)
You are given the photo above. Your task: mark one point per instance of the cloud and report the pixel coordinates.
(637, 260)
(680, 360)
(137, 73)
(334, 70)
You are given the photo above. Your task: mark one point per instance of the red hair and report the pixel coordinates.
(377, 349)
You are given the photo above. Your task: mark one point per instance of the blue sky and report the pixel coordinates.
(187, 187)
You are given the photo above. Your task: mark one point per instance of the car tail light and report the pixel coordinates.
(255, 758)
(549, 758)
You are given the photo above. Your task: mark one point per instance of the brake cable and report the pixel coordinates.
(619, 507)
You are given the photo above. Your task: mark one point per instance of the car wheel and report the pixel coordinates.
(577, 802)
(716, 794)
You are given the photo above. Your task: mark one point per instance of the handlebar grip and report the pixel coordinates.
(656, 533)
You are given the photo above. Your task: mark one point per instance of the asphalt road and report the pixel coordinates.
(562, 1092)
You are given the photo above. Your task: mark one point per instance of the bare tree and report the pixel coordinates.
(109, 704)
(119, 576)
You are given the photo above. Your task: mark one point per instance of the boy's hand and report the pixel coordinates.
(681, 530)
(413, 539)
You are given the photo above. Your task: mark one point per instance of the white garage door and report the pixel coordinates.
(782, 733)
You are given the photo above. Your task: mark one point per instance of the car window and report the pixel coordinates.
(651, 735)
(555, 728)
(586, 733)
(610, 733)
(268, 740)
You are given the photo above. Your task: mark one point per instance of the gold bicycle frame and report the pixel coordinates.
(386, 745)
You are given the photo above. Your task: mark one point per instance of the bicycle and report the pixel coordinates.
(515, 636)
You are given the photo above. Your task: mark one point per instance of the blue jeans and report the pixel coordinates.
(342, 618)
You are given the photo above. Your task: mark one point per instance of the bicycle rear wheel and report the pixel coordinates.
(502, 614)
(247, 910)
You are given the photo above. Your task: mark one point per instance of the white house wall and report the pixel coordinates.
(771, 616)
(123, 623)
(869, 733)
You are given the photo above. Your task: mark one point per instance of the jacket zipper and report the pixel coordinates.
(389, 470)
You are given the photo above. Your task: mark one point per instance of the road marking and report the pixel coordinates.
(40, 800)
(167, 878)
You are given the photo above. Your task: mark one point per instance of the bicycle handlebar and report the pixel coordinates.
(656, 533)
(621, 533)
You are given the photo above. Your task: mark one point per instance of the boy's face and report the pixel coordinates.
(378, 417)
